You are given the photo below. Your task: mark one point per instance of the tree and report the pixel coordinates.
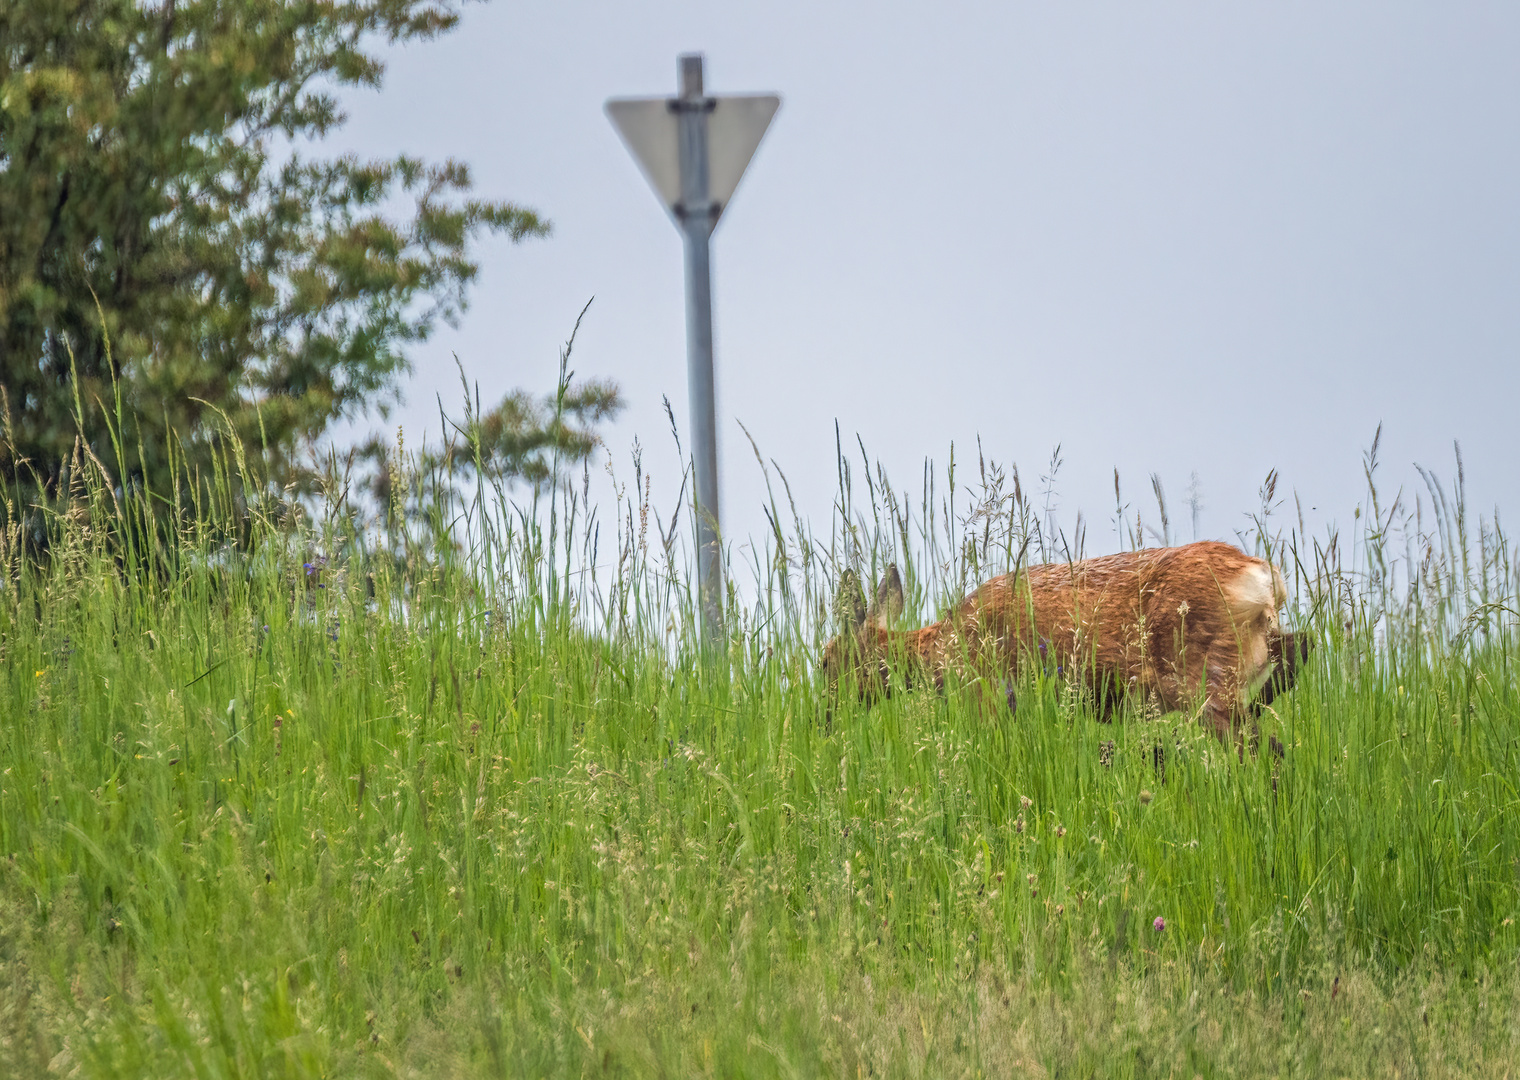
(174, 269)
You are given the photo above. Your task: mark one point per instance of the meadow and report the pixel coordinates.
(457, 789)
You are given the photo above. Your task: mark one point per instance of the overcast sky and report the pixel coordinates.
(1171, 237)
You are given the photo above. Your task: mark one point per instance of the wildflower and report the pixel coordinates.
(1159, 925)
(1145, 796)
(1025, 802)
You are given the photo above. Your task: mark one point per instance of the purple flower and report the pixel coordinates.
(1159, 925)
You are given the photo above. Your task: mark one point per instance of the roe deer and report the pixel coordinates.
(1185, 625)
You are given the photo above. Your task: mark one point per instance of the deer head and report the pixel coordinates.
(859, 649)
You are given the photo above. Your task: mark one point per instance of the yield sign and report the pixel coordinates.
(651, 129)
(693, 150)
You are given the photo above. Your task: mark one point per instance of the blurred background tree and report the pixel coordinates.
(174, 267)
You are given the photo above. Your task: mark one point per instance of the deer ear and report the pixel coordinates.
(888, 605)
(849, 603)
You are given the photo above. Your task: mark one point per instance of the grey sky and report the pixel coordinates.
(1172, 237)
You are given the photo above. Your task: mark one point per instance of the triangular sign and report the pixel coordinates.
(734, 131)
(650, 129)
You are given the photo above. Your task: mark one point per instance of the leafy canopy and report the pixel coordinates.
(166, 245)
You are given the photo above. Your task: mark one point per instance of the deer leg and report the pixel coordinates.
(1288, 653)
(1109, 693)
(1222, 711)
(1218, 720)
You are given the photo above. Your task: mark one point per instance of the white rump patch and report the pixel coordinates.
(1253, 599)
(1256, 591)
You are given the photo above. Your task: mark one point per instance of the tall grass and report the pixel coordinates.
(455, 789)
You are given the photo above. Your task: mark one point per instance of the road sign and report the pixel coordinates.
(650, 128)
(693, 150)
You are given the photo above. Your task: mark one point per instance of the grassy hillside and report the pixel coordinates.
(348, 802)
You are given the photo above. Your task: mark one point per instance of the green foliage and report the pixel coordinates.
(522, 438)
(491, 815)
(174, 266)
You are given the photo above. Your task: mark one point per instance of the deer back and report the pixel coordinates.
(1156, 619)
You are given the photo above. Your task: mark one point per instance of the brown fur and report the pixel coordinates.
(1184, 626)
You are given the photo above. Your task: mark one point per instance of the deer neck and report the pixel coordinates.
(916, 649)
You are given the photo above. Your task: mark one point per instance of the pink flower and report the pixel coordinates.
(1159, 925)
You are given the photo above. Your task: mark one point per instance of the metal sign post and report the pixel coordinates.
(694, 149)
